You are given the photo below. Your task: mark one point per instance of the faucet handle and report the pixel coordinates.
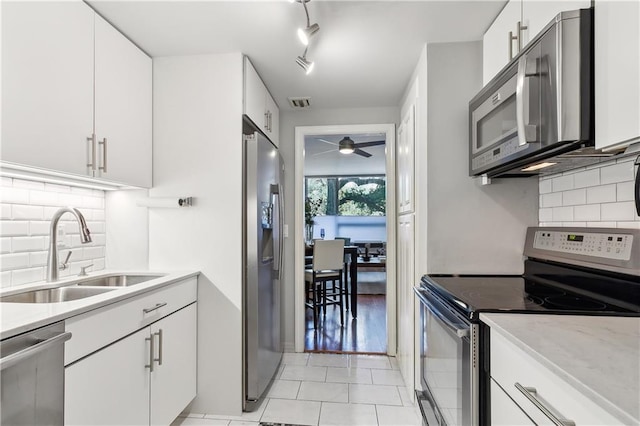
(64, 265)
(83, 270)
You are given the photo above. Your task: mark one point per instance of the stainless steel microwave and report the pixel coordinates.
(540, 106)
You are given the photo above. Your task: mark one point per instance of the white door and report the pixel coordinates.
(47, 84)
(173, 381)
(405, 299)
(406, 161)
(111, 386)
(123, 108)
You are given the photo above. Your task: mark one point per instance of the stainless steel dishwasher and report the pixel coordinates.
(32, 366)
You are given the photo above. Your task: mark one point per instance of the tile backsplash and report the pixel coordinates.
(26, 211)
(595, 196)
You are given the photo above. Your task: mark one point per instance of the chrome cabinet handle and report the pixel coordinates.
(266, 120)
(529, 393)
(511, 38)
(159, 334)
(92, 140)
(151, 341)
(15, 358)
(520, 28)
(103, 142)
(158, 306)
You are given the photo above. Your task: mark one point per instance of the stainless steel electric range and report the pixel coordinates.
(577, 271)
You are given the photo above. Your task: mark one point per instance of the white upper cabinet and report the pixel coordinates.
(518, 23)
(259, 105)
(123, 108)
(617, 72)
(406, 161)
(47, 84)
(68, 75)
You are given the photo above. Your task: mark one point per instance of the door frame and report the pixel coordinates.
(299, 310)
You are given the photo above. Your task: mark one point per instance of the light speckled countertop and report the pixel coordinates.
(16, 318)
(599, 356)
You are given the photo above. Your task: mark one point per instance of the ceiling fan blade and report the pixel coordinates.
(372, 143)
(323, 153)
(329, 142)
(361, 152)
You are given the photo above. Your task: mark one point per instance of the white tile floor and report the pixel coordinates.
(327, 389)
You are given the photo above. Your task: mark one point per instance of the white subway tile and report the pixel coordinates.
(43, 198)
(624, 191)
(5, 211)
(601, 224)
(621, 172)
(73, 200)
(587, 178)
(99, 239)
(98, 215)
(57, 188)
(574, 197)
(98, 264)
(82, 191)
(14, 195)
(589, 212)
(562, 214)
(551, 224)
(551, 200)
(545, 186)
(562, 183)
(629, 225)
(25, 212)
(575, 224)
(97, 227)
(573, 171)
(618, 211)
(93, 253)
(5, 245)
(38, 258)
(545, 215)
(24, 276)
(21, 244)
(39, 228)
(28, 184)
(6, 181)
(99, 193)
(92, 202)
(76, 254)
(11, 228)
(14, 261)
(601, 194)
(5, 279)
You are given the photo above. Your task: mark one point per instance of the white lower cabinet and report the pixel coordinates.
(530, 393)
(146, 374)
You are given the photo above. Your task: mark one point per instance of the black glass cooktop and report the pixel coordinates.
(542, 293)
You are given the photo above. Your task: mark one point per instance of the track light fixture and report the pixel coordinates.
(305, 35)
(306, 65)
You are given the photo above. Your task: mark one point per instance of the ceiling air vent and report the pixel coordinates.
(300, 102)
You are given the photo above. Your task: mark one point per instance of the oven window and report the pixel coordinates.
(445, 358)
(497, 124)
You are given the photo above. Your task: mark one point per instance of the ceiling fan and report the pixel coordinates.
(348, 146)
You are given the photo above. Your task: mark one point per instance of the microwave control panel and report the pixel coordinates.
(498, 153)
(603, 245)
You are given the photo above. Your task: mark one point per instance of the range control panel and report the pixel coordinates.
(604, 245)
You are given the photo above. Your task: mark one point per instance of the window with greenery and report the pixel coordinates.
(346, 195)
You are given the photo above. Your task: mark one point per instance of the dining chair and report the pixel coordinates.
(328, 261)
(347, 259)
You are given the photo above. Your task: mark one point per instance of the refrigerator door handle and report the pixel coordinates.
(276, 191)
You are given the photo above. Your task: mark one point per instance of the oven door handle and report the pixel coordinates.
(432, 305)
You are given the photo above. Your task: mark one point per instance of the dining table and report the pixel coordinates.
(352, 252)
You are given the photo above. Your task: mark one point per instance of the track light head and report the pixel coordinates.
(306, 65)
(305, 34)
(346, 146)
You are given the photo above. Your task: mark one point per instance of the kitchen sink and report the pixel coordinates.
(118, 280)
(54, 295)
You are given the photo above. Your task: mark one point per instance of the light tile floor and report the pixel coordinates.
(328, 389)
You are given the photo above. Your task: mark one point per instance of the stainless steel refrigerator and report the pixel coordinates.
(263, 263)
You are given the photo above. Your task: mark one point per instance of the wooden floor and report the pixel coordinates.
(365, 334)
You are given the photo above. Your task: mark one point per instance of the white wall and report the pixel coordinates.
(596, 196)
(197, 152)
(312, 117)
(27, 208)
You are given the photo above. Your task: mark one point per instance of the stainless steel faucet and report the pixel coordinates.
(52, 256)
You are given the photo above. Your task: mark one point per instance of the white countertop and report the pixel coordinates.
(16, 318)
(599, 356)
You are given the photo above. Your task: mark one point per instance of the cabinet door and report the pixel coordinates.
(496, 42)
(173, 381)
(123, 108)
(254, 96)
(405, 303)
(47, 84)
(273, 120)
(111, 386)
(617, 72)
(406, 161)
(537, 14)
(504, 411)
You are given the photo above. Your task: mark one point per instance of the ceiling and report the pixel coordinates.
(364, 52)
(322, 158)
